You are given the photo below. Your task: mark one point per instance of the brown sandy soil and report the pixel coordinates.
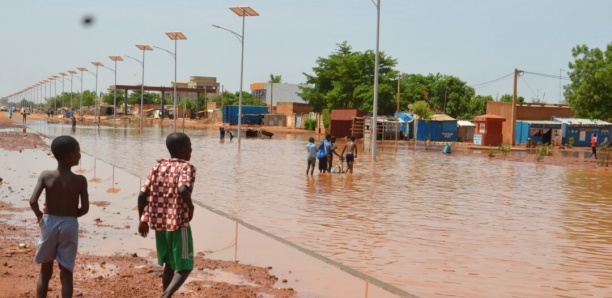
(110, 276)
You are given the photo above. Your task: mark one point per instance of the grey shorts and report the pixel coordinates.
(59, 240)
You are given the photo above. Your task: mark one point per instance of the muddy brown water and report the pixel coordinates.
(433, 225)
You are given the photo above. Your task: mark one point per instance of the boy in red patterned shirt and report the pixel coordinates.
(165, 205)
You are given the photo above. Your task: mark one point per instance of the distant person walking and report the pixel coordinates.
(594, 146)
(24, 113)
(10, 112)
(311, 148)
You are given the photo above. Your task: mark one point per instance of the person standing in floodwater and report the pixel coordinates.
(221, 132)
(351, 153)
(311, 148)
(594, 146)
(332, 150)
(165, 206)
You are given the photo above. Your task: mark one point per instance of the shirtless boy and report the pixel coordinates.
(59, 227)
(351, 153)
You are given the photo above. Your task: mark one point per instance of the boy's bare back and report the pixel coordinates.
(64, 190)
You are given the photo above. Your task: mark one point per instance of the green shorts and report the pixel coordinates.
(175, 248)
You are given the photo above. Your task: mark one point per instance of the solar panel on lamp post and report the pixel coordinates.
(241, 11)
(96, 64)
(143, 48)
(115, 59)
(175, 35)
(82, 69)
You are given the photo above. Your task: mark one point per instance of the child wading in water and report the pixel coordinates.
(351, 153)
(312, 155)
(165, 205)
(58, 223)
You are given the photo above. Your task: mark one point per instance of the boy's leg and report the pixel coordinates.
(66, 278)
(179, 258)
(46, 272)
(167, 276)
(176, 282)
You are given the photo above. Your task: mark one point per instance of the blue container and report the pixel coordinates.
(437, 131)
(250, 114)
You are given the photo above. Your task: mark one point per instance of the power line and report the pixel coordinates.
(556, 77)
(490, 82)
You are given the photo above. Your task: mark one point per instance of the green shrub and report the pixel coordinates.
(505, 149)
(310, 124)
(543, 150)
(491, 152)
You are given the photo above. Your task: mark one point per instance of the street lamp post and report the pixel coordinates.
(82, 69)
(63, 88)
(96, 112)
(115, 59)
(72, 73)
(143, 48)
(375, 109)
(176, 35)
(241, 11)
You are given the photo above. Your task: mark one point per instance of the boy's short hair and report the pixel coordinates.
(62, 146)
(352, 138)
(328, 137)
(311, 139)
(175, 141)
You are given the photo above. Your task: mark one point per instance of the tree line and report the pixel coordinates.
(344, 79)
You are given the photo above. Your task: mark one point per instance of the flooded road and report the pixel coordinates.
(433, 225)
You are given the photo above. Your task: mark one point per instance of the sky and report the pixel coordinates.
(477, 41)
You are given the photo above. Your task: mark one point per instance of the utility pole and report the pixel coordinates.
(399, 78)
(513, 122)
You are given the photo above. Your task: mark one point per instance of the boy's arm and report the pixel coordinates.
(40, 185)
(84, 198)
(143, 227)
(185, 194)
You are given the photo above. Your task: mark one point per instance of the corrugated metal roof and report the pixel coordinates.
(465, 123)
(581, 121)
(548, 122)
(488, 116)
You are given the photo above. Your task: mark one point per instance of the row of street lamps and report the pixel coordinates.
(241, 11)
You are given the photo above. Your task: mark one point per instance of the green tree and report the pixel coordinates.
(109, 97)
(148, 98)
(508, 98)
(443, 93)
(477, 106)
(247, 99)
(590, 91)
(275, 79)
(421, 109)
(345, 80)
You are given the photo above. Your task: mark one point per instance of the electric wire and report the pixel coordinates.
(485, 84)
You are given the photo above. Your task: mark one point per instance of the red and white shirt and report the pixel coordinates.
(165, 210)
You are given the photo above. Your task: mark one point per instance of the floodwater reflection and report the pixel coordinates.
(432, 224)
